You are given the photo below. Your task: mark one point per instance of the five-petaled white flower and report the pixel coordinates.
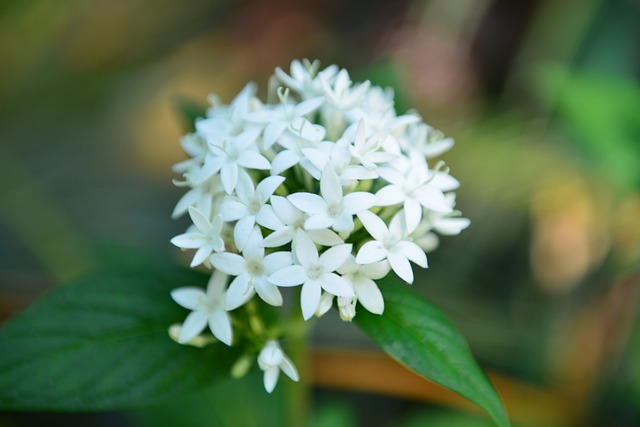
(271, 360)
(206, 239)
(391, 244)
(207, 308)
(332, 209)
(314, 273)
(252, 270)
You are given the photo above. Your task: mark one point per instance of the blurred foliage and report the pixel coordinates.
(542, 97)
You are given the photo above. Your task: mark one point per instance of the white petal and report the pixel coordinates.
(370, 296)
(305, 251)
(272, 132)
(192, 326)
(278, 238)
(308, 202)
(245, 139)
(199, 220)
(306, 107)
(232, 210)
(289, 368)
(401, 267)
(390, 195)
(253, 160)
(283, 161)
(212, 166)
(220, 326)
(201, 255)
(217, 285)
(229, 176)
(336, 285)
(268, 218)
(358, 202)
(293, 275)
(229, 263)
(310, 298)
(376, 270)
(412, 214)
(344, 223)
(276, 261)
(411, 251)
(318, 158)
(192, 240)
(242, 231)
(285, 210)
(253, 248)
(318, 222)
(444, 182)
(267, 187)
(451, 226)
(432, 198)
(330, 187)
(244, 187)
(268, 292)
(271, 378)
(239, 292)
(371, 252)
(333, 258)
(324, 237)
(188, 297)
(374, 225)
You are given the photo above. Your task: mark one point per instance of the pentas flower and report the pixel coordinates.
(324, 189)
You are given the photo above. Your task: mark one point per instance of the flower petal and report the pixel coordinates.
(253, 160)
(267, 187)
(268, 292)
(220, 326)
(277, 260)
(336, 285)
(330, 187)
(188, 297)
(310, 298)
(390, 195)
(283, 161)
(242, 231)
(239, 292)
(374, 225)
(334, 257)
(412, 252)
(370, 296)
(401, 267)
(229, 176)
(229, 263)
(358, 202)
(192, 326)
(324, 237)
(191, 240)
(304, 249)
(308, 202)
(271, 378)
(199, 220)
(289, 368)
(278, 238)
(292, 275)
(371, 252)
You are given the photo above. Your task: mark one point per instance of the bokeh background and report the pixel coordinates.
(542, 97)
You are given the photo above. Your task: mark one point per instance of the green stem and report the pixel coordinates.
(299, 394)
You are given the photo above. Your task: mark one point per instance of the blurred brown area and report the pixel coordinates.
(542, 97)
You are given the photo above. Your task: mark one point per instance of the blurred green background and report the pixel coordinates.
(542, 97)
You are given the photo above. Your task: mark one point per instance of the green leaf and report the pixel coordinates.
(416, 333)
(101, 343)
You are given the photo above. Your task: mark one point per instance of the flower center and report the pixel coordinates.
(254, 206)
(255, 268)
(315, 271)
(334, 209)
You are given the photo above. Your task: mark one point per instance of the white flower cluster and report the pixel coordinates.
(325, 187)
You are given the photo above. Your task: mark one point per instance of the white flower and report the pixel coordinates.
(207, 307)
(415, 188)
(361, 277)
(293, 219)
(391, 244)
(206, 239)
(314, 273)
(252, 270)
(229, 156)
(277, 119)
(271, 360)
(304, 77)
(332, 209)
(248, 207)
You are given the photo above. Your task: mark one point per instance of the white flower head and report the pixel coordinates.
(207, 308)
(271, 360)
